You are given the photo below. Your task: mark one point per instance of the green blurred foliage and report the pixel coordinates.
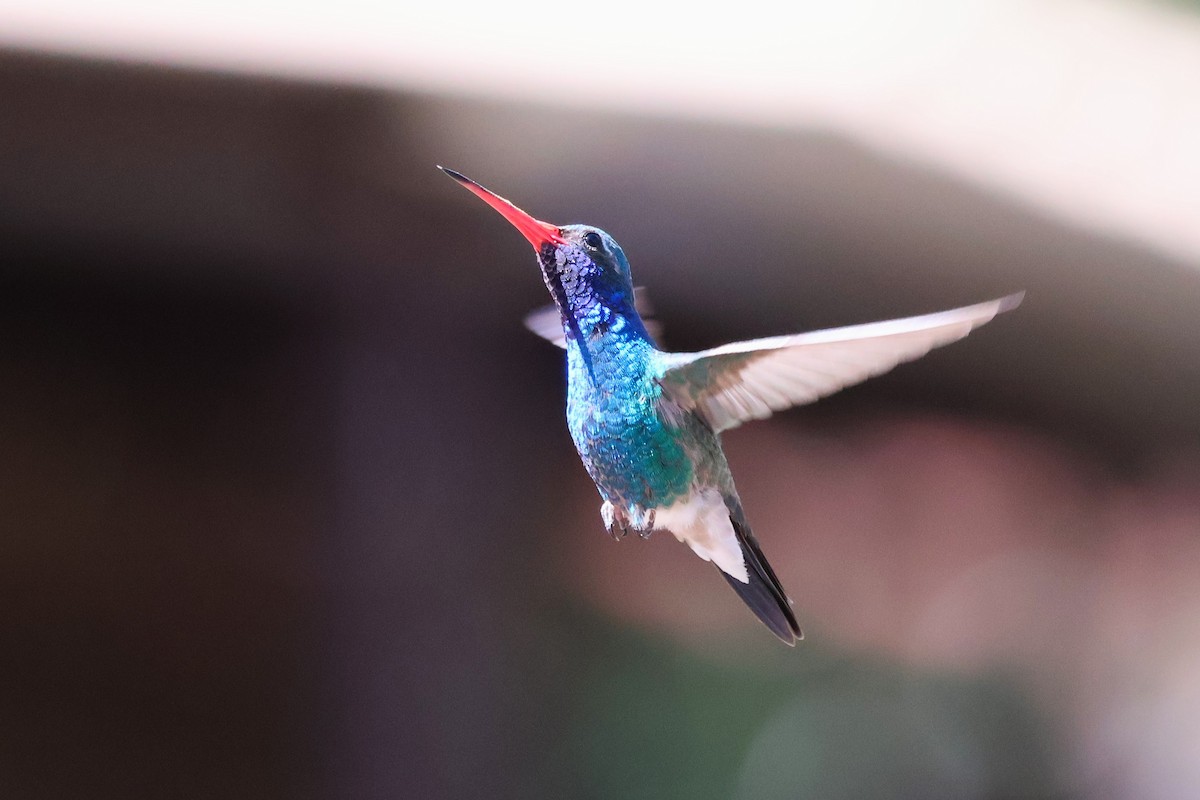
(651, 719)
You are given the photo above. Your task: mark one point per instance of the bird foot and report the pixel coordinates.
(648, 524)
(619, 521)
(614, 523)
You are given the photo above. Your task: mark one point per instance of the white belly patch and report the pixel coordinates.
(702, 521)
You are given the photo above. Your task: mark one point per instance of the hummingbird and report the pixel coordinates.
(647, 422)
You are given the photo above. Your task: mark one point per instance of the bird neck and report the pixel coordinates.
(597, 315)
(604, 336)
(614, 346)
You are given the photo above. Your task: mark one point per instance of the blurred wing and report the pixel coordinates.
(546, 322)
(749, 380)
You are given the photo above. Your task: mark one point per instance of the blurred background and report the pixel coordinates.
(289, 508)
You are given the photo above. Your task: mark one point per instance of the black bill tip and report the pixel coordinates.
(458, 176)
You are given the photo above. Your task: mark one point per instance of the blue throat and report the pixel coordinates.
(564, 305)
(590, 298)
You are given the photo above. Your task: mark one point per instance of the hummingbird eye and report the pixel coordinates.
(593, 240)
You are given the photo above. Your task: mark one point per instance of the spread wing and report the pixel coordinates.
(546, 321)
(749, 380)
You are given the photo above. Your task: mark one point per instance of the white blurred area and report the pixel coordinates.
(1086, 109)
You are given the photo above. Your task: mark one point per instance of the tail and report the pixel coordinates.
(764, 594)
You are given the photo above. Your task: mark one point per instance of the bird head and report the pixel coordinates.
(581, 265)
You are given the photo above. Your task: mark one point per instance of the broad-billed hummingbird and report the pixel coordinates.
(647, 423)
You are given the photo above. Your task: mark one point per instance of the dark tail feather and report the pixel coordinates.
(763, 593)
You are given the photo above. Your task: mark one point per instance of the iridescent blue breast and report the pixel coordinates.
(634, 456)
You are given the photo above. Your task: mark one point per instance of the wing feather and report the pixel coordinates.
(737, 382)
